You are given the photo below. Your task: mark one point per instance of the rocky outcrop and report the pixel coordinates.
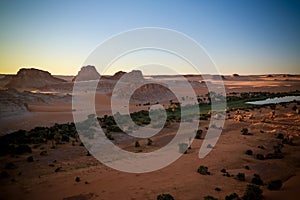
(87, 73)
(32, 79)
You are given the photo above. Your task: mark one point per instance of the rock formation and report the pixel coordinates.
(32, 79)
(87, 73)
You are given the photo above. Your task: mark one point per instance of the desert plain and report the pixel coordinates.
(257, 142)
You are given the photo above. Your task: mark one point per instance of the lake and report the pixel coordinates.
(275, 100)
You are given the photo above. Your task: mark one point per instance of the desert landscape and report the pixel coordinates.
(42, 156)
(149, 100)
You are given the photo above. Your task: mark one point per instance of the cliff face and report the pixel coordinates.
(32, 79)
(87, 73)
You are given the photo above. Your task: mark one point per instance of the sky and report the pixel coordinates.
(241, 36)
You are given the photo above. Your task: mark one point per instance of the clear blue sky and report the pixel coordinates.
(246, 37)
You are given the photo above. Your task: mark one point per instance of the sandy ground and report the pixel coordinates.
(38, 180)
(179, 179)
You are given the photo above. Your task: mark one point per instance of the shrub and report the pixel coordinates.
(294, 108)
(249, 152)
(137, 144)
(232, 196)
(223, 170)
(77, 179)
(65, 138)
(218, 189)
(280, 136)
(260, 156)
(22, 148)
(241, 176)
(203, 170)
(253, 192)
(109, 136)
(210, 198)
(30, 159)
(183, 148)
(247, 167)
(114, 128)
(199, 134)
(149, 142)
(57, 169)
(257, 180)
(165, 197)
(275, 185)
(244, 131)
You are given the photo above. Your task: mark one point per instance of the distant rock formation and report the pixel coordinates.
(32, 79)
(118, 75)
(133, 76)
(87, 73)
(235, 75)
(152, 93)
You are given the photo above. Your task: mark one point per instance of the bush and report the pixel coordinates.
(257, 180)
(223, 170)
(253, 192)
(280, 136)
(149, 142)
(210, 198)
(203, 170)
(249, 152)
(245, 131)
(275, 185)
(109, 136)
(114, 128)
(232, 196)
(199, 134)
(65, 138)
(241, 176)
(22, 148)
(30, 159)
(165, 197)
(77, 179)
(137, 144)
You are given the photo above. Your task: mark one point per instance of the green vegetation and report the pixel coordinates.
(257, 180)
(275, 185)
(245, 131)
(137, 144)
(165, 197)
(241, 176)
(210, 198)
(20, 142)
(199, 134)
(203, 170)
(249, 152)
(232, 196)
(253, 192)
(149, 142)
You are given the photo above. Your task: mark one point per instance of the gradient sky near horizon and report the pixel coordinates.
(245, 37)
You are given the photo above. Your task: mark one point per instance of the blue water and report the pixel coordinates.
(275, 100)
